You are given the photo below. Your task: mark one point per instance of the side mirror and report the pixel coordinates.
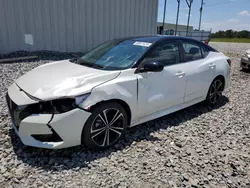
(151, 67)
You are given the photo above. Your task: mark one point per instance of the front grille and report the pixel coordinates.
(17, 113)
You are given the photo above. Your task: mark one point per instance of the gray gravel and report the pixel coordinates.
(199, 146)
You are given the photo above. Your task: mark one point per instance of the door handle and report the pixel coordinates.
(180, 74)
(212, 66)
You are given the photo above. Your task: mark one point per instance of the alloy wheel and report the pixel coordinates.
(216, 91)
(107, 127)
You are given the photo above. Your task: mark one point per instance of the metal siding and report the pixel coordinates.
(94, 15)
(9, 14)
(111, 16)
(4, 38)
(72, 25)
(84, 27)
(76, 25)
(106, 20)
(154, 15)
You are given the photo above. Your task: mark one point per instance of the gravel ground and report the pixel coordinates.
(199, 146)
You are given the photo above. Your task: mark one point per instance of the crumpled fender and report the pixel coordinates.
(123, 87)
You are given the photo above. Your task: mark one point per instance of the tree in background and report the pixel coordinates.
(231, 34)
(244, 34)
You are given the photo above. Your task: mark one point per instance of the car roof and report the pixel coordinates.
(154, 38)
(159, 38)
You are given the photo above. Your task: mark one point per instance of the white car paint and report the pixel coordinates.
(163, 89)
(62, 79)
(148, 95)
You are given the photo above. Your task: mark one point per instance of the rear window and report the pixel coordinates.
(204, 51)
(192, 51)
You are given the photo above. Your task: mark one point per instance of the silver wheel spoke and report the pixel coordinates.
(112, 129)
(98, 131)
(219, 93)
(219, 85)
(103, 119)
(105, 138)
(105, 116)
(214, 86)
(115, 118)
(117, 128)
(215, 98)
(213, 89)
(211, 95)
(117, 112)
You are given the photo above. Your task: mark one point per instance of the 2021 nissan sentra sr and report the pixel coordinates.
(119, 84)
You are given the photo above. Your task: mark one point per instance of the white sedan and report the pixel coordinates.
(121, 83)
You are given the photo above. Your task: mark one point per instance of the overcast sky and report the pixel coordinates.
(217, 14)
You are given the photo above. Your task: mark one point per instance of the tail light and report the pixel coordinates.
(206, 41)
(229, 62)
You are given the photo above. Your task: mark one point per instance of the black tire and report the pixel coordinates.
(215, 91)
(245, 69)
(100, 134)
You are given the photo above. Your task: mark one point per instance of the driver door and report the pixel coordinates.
(161, 90)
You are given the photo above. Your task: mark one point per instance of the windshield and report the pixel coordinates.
(114, 55)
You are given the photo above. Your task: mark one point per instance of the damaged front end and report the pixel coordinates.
(44, 123)
(56, 106)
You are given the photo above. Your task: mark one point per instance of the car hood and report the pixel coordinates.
(62, 79)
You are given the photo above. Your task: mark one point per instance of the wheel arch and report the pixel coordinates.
(220, 77)
(121, 102)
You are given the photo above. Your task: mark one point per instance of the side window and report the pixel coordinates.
(167, 54)
(192, 51)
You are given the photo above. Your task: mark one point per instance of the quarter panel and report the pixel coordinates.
(199, 78)
(222, 68)
(200, 74)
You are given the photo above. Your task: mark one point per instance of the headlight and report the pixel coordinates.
(57, 106)
(81, 98)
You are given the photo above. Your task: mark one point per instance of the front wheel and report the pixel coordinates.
(105, 126)
(215, 91)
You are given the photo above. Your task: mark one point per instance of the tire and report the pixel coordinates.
(215, 91)
(100, 132)
(245, 69)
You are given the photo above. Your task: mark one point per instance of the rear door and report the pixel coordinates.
(199, 69)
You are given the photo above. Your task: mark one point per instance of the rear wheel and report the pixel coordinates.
(105, 126)
(215, 91)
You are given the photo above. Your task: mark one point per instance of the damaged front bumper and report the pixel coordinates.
(51, 131)
(245, 62)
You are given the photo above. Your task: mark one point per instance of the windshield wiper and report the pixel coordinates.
(73, 60)
(97, 66)
(81, 62)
